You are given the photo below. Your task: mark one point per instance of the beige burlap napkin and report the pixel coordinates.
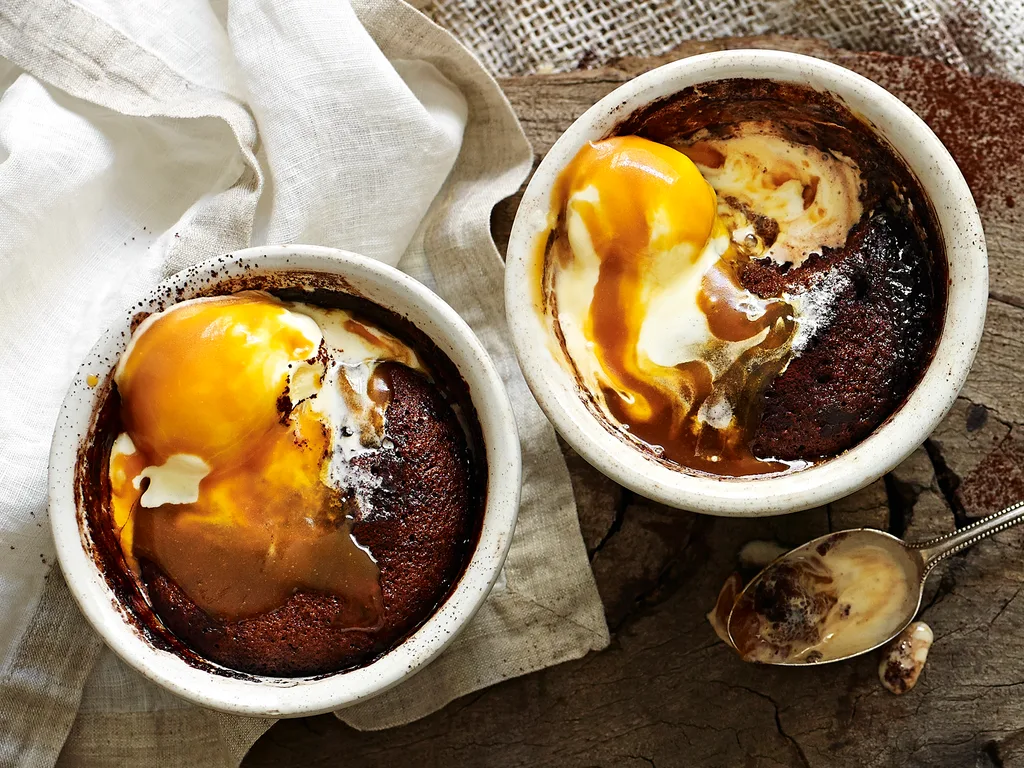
(139, 137)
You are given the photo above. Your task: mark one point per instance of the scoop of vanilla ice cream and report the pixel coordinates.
(202, 381)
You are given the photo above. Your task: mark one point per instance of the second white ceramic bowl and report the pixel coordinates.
(557, 391)
(253, 695)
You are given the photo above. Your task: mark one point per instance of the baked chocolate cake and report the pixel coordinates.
(743, 278)
(399, 485)
(887, 311)
(857, 370)
(418, 525)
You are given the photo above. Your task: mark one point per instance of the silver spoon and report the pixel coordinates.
(843, 594)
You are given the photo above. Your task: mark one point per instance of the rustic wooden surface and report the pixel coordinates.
(666, 692)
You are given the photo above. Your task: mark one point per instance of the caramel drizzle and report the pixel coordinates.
(267, 524)
(252, 541)
(665, 415)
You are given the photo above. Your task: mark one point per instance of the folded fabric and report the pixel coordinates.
(137, 138)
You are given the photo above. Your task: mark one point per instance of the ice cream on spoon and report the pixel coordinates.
(838, 596)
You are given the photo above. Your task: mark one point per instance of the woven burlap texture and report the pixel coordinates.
(519, 37)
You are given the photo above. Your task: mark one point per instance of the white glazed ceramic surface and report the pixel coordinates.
(556, 389)
(282, 697)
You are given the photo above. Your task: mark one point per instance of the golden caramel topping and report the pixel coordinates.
(649, 198)
(265, 529)
(645, 286)
(234, 474)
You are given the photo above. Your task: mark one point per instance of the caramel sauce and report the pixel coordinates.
(810, 192)
(390, 347)
(267, 523)
(124, 468)
(264, 530)
(721, 300)
(662, 409)
(702, 153)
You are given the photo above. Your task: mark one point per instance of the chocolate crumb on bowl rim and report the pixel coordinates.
(959, 228)
(111, 598)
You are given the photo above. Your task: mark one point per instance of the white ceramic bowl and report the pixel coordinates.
(270, 696)
(943, 183)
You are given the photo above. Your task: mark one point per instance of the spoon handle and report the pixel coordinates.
(938, 549)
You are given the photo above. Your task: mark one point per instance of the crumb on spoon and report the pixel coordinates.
(904, 658)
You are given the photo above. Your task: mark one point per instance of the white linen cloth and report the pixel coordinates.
(140, 136)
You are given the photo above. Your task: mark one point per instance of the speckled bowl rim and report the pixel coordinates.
(272, 696)
(960, 225)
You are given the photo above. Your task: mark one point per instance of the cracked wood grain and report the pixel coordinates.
(666, 692)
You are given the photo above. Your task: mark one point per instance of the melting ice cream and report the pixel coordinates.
(641, 276)
(234, 474)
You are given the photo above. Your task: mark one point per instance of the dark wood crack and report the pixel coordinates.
(990, 757)
(901, 497)
(948, 482)
(620, 514)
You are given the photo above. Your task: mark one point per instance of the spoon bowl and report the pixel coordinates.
(843, 594)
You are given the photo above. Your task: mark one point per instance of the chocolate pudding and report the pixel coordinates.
(319, 501)
(743, 277)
